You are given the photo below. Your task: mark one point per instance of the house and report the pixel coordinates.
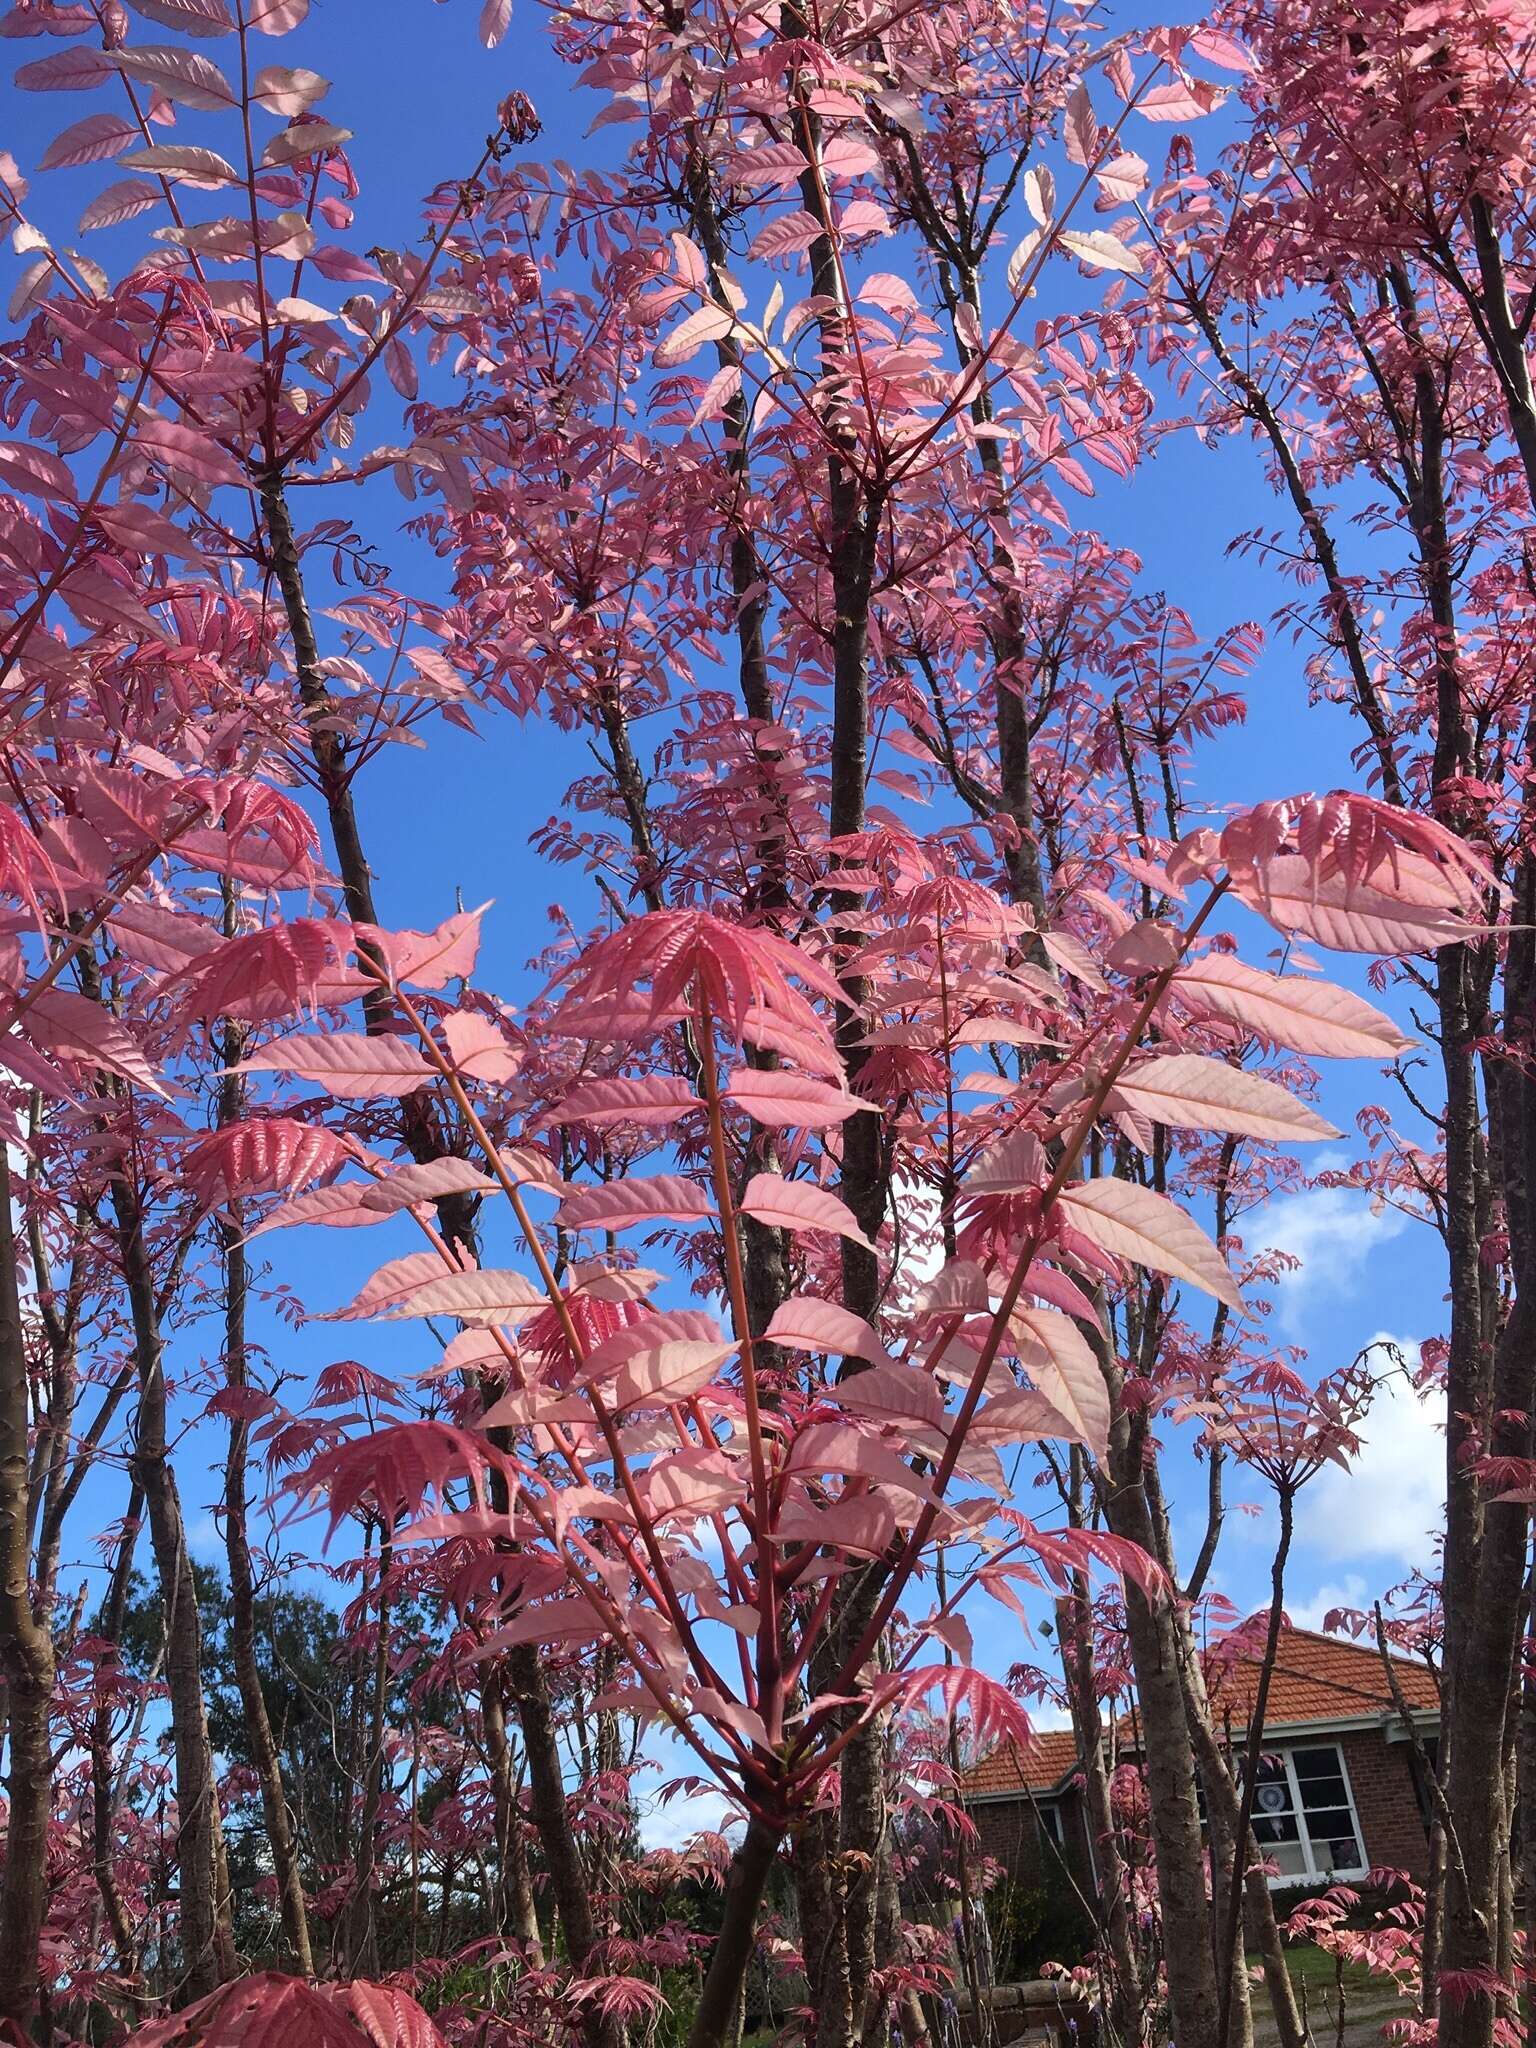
(1339, 1791)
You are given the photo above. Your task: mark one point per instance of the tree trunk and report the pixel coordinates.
(1168, 1760)
(1073, 1627)
(745, 1884)
(27, 1659)
(242, 1597)
(208, 1956)
(362, 1920)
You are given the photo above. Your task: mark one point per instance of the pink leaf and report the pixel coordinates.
(387, 2016)
(690, 1483)
(266, 2011)
(344, 1064)
(122, 201)
(892, 1393)
(663, 1197)
(494, 17)
(181, 75)
(649, 1101)
(708, 323)
(263, 1156)
(339, 1208)
(192, 17)
(276, 17)
(489, 1299)
(430, 1182)
(72, 1027)
(1312, 1017)
(863, 1523)
(960, 1288)
(804, 1323)
(1018, 1415)
(65, 70)
(1194, 1094)
(430, 959)
(184, 452)
(1133, 1223)
(37, 472)
(89, 141)
(389, 1286)
(783, 1100)
(796, 1205)
(478, 1050)
(665, 1373)
(1060, 1362)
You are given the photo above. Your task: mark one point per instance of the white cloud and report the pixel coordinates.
(1332, 1231)
(672, 1823)
(1391, 1501)
(1350, 1591)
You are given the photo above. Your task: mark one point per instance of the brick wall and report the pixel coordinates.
(1386, 1800)
(1010, 1834)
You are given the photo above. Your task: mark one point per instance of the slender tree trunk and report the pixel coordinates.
(516, 1912)
(1073, 1631)
(104, 1795)
(362, 1917)
(27, 1661)
(206, 1937)
(1168, 1760)
(1489, 1553)
(745, 1884)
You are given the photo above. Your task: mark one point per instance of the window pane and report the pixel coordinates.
(1288, 1859)
(1274, 1797)
(1342, 1852)
(1317, 1793)
(1273, 1828)
(1336, 1820)
(1316, 1763)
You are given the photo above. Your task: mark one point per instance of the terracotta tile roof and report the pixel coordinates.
(1316, 1678)
(1044, 1762)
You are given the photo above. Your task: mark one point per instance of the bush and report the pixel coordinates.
(1034, 1924)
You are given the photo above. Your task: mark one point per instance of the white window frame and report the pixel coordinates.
(1315, 1873)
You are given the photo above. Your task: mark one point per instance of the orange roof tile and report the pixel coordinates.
(1315, 1678)
(1043, 1762)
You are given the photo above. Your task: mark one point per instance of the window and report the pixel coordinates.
(1051, 1824)
(1304, 1815)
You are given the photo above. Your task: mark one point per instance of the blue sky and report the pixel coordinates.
(412, 79)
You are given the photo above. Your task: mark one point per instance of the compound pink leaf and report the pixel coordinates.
(796, 1205)
(1061, 1364)
(784, 1101)
(805, 1323)
(649, 1101)
(1195, 1094)
(487, 1299)
(387, 2016)
(428, 1182)
(1133, 1223)
(662, 1197)
(1312, 1017)
(344, 1063)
